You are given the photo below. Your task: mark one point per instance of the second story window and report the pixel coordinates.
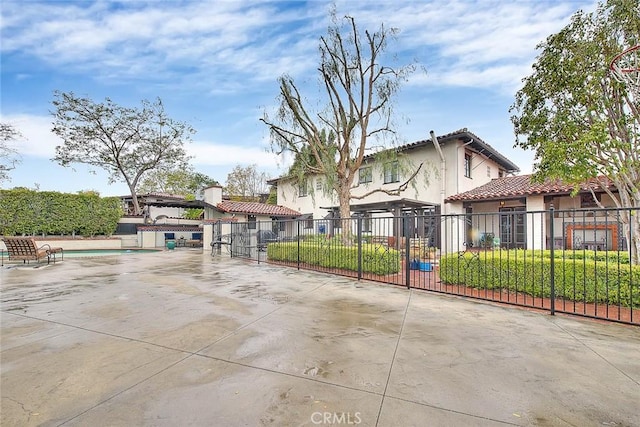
(391, 172)
(467, 165)
(365, 175)
(318, 184)
(302, 189)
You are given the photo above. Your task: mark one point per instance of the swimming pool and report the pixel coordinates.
(105, 252)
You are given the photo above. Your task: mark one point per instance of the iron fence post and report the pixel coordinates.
(298, 239)
(553, 261)
(407, 243)
(232, 229)
(258, 228)
(359, 238)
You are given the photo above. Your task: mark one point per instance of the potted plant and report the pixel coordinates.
(428, 256)
(429, 253)
(414, 255)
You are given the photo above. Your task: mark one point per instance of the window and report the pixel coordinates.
(391, 172)
(588, 201)
(467, 165)
(365, 175)
(489, 171)
(318, 184)
(302, 189)
(308, 222)
(366, 223)
(251, 219)
(337, 222)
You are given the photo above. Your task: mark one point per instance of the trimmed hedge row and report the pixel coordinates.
(29, 212)
(580, 254)
(578, 279)
(375, 259)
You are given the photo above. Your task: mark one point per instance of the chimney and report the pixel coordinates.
(213, 194)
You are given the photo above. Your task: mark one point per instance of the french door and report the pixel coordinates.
(513, 227)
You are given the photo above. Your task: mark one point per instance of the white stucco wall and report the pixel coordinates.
(427, 186)
(536, 222)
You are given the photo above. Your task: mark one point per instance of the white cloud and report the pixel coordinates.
(208, 40)
(225, 57)
(212, 43)
(216, 154)
(38, 139)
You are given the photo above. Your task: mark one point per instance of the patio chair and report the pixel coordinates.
(26, 249)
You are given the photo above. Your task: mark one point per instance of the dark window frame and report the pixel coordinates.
(303, 189)
(391, 172)
(367, 177)
(366, 222)
(467, 164)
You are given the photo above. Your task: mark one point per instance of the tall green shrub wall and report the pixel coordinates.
(29, 212)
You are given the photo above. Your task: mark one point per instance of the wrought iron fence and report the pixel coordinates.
(581, 262)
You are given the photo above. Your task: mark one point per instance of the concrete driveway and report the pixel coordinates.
(180, 338)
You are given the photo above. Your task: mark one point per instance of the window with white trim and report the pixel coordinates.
(365, 174)
(391, 172)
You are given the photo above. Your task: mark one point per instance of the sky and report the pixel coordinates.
(215, 65)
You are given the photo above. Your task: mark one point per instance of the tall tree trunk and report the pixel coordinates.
(344, 198)
(631, 230)
(134, 199)
(629, 196)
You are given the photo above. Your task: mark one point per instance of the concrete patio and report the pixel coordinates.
(180, 338)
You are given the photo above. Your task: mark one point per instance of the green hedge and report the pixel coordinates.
(375, 259)
(578, 278)
(29, 212)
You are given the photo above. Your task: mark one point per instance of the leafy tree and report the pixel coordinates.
(126, 142)
(273, 196)
(185, 181)
(8, 154)
(580, 121)
(246, 182)
(359, 92)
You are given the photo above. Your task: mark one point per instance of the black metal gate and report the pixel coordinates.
(576, 262)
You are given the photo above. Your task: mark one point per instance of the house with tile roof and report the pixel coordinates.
(522, 220)
(222, 213)
(163, 214)
(451, 164)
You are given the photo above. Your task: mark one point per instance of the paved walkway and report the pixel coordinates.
(179, 338)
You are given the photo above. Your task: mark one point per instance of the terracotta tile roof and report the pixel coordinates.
(469, 138)
(165, 195)
(255, 208)
(518, 186)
